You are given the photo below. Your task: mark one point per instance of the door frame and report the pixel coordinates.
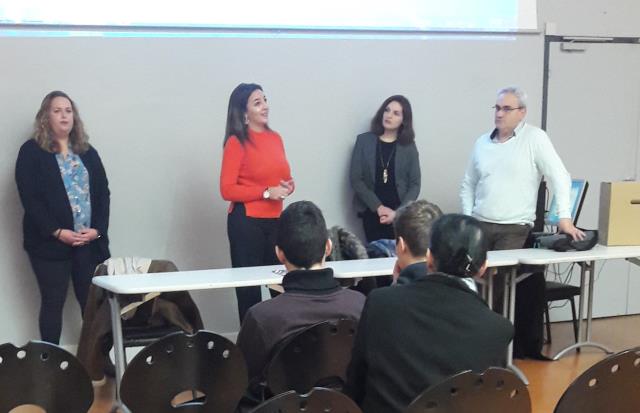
(575, 41)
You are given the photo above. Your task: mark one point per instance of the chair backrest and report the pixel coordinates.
(611, 385)
(205, 364)
(316, 357)
(318, 400)
(495, 390)
(44, 375)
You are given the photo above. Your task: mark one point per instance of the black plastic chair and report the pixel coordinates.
(318, 400)
(316, 357)
(44, 375)
(556, 291)
(611, 385)
(495, 390)
(137, 332)
(168, 313)
(206, 369)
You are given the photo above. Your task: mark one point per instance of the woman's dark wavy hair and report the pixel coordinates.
(43, 134)
(458, 245)
(236, 124)
(406, 135)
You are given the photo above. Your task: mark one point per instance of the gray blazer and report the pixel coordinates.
(363, 170)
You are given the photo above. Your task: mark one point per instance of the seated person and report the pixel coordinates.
(416, 335)
(311, 294)
(412, 226)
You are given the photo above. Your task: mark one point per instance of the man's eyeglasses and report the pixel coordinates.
(505, 109)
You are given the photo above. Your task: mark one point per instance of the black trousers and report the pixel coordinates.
(53, 283)
(252, 242)
(373, 229)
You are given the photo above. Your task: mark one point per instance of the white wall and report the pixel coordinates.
(155, 110)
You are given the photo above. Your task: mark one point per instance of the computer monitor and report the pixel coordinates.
(578, 192)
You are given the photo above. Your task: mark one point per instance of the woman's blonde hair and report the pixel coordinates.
(43, 134)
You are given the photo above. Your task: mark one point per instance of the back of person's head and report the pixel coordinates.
(413, 223)
(458, 245)
(302, 234)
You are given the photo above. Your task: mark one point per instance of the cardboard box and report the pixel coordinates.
(619, 217)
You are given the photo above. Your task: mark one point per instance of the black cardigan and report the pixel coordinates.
(46, 204)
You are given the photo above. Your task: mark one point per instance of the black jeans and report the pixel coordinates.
(53, 283)
(252, 242)
(373, 229)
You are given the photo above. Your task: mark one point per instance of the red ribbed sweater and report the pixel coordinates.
(247, 170)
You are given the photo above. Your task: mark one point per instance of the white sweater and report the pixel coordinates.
(501, 182)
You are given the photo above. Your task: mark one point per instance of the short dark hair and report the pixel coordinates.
(458, 245)
(406, 135)
(302, 234)
(236, 125)
(413, 223)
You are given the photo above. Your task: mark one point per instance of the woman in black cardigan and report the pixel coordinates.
(64, 191)
(385, 169)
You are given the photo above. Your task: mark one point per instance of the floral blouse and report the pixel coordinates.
(76, 181)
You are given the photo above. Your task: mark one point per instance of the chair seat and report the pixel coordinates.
(318, 400)
(145, 335)
(555, 291)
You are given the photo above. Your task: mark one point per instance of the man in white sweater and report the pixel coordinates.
(500, 188)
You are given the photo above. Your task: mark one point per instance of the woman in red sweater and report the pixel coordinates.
(256, 178)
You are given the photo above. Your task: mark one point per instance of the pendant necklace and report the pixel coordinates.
(385, 167)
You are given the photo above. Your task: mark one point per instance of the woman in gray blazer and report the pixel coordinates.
(385, 169)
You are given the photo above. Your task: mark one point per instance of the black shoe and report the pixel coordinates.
(539, 356)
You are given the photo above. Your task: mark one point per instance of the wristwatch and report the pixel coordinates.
(266, 194)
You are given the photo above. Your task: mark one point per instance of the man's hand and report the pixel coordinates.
(566, 226)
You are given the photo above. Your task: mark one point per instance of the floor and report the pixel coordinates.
(548, 380)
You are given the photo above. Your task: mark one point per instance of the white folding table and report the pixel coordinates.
(264, 275)
(173, 281)
(240, 277)
(586, 260)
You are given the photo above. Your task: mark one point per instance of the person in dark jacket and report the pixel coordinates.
(385, 169)
(311, 294)
(412, 226)
(64, 191)
(416, 335)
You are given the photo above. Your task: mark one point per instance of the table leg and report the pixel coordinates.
(588, 288)
(592, 268)
(509, 309)
(505, 295)
(489, 287)
(118, 346)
